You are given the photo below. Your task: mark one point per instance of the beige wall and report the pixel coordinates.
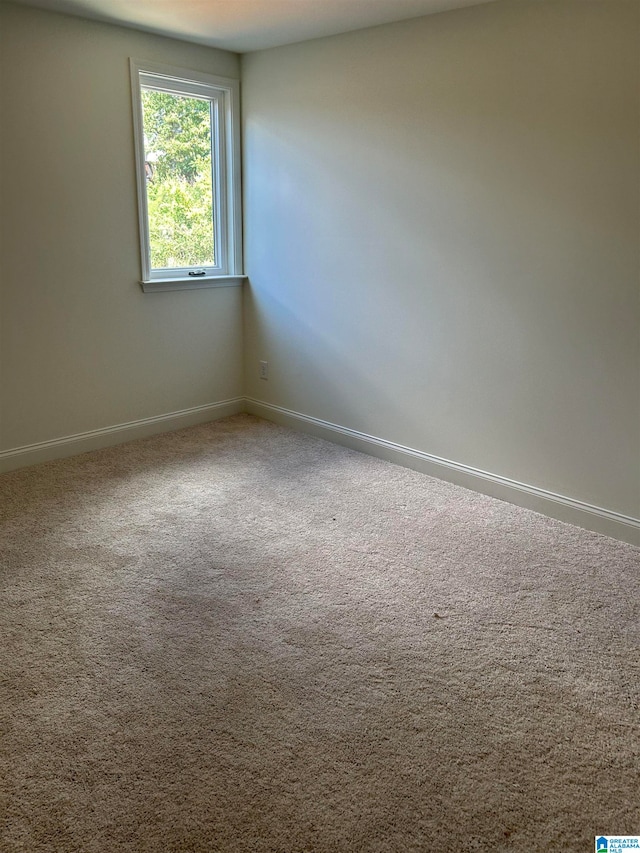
(442, 238)
(82, 348)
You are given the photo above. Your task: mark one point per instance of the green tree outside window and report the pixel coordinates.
(177, 131)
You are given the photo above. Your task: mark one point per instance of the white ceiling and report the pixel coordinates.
(245, 25)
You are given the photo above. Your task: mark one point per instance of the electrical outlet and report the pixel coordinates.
(264, 370)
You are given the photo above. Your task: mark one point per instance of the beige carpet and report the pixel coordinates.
(240, 638)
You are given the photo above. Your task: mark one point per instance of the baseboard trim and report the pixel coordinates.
(595, 518)
(70, 445)
(588, 516)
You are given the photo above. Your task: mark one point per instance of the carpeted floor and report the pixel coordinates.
(240, 638)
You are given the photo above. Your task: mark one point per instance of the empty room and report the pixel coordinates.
(319, 426)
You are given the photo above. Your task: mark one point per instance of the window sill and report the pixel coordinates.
(159, 285)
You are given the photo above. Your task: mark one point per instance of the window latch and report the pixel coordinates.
(197, 272)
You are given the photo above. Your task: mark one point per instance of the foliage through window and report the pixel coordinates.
(179, 170)
(188, 186)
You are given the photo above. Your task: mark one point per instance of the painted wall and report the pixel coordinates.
(442, 221)
(82, 348)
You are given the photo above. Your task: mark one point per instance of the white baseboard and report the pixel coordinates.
(573, 511)
(70, 445)
(598, 519)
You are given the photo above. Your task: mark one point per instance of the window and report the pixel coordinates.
(188, 160)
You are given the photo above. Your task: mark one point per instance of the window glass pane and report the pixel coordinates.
(178, 168)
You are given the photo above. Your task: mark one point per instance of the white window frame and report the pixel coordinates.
(224, 93)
